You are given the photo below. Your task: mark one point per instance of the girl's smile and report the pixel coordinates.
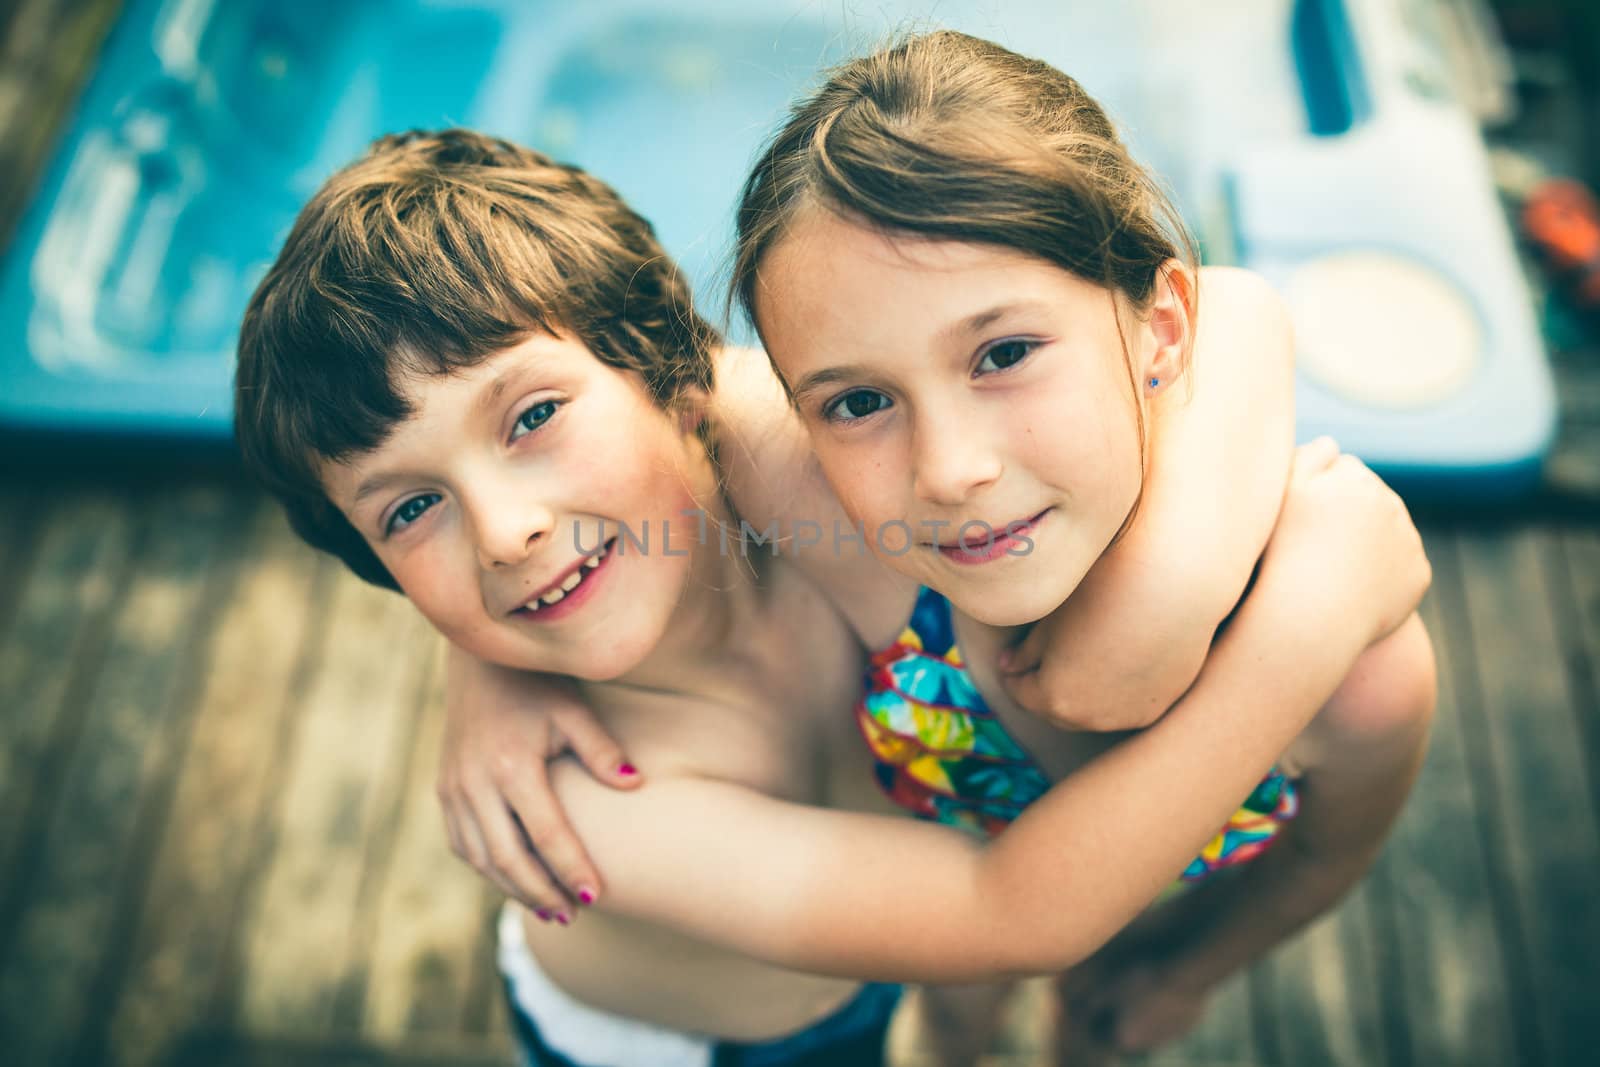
(993, 542)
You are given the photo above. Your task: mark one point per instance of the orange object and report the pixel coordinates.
(1562, 219)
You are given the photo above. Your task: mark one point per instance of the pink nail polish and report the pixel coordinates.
(627, 770)
(586, 894)
(561, 917)
(544, 916)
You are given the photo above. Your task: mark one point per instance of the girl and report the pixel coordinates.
(963, 282)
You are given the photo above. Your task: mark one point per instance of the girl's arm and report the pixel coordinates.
(867, 896)
(1132, 637)
(1359, 758)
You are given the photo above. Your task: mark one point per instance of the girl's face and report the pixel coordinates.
(492, 497)
(954, 389)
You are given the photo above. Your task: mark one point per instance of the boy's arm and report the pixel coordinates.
(501, 815)
(828, 892)
(1131, 639)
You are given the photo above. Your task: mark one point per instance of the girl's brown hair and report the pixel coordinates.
(955, 138)
(427, 255)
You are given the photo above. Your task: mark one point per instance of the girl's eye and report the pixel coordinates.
(856, 404)
(1004, 354)
(410, 512)
(535, 417)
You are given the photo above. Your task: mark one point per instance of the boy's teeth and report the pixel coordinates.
(572, 581)
(552, 596)
(592, 562)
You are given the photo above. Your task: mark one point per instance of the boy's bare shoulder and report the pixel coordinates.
(763, 449)
(1242, 316)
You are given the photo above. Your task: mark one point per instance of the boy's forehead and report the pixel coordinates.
(439, 403)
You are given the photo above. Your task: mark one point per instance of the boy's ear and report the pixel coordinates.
(1171, 322)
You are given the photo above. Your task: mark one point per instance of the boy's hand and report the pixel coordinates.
(501, 815)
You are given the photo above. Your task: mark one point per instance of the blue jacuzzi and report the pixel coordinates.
(207, 124)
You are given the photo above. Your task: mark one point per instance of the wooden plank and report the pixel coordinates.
(1431, 888)
(1225, 1035)
(1323, 999)
(1575, 579)
(487, 1013)
(428, 911)
(1025, 1033)
(20, 508)
(213, 832)
(48, 662)
(134, 724)
(349, 742)
(230, 1049)
(1547, 837)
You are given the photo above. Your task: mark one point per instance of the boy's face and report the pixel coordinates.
(493, 497)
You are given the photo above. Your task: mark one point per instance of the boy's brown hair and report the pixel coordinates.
(427, 255)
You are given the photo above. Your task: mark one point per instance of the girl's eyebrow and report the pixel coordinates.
(826, 376)
(983, 319)
(963, 327)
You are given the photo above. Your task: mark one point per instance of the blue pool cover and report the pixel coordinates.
(207, 124)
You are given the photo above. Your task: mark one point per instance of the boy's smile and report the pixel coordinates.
(574, 587)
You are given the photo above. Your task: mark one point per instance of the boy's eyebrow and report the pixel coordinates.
(483, 403)
(372, 486)
(490, 396)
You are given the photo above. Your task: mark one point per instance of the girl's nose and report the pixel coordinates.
(949, 464)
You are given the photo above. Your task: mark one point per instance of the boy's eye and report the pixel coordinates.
(1004, 354)
(533, 418)
(410, 512)
(856, 404)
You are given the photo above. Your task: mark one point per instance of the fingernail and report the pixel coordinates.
(544, 916)
(627, 770)
(586, 894)
(561, 917)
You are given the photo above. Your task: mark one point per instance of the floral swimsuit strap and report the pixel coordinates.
(943, 755)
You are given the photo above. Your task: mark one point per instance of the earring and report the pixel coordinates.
(1154, 382)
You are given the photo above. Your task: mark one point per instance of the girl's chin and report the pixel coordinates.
(1005, 603)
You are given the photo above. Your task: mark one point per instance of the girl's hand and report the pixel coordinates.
(1344, 543)
(500, 814)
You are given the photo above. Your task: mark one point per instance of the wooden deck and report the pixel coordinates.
(220, 847)
(221, 844)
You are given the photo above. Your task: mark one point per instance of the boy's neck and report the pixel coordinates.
(718, 618)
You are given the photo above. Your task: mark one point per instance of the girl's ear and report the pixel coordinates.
(692, 405)
(1171, 323)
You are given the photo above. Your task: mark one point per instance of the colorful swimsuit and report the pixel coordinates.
(942, 754)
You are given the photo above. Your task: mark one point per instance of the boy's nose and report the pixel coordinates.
(949, 465)
(508, 531)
